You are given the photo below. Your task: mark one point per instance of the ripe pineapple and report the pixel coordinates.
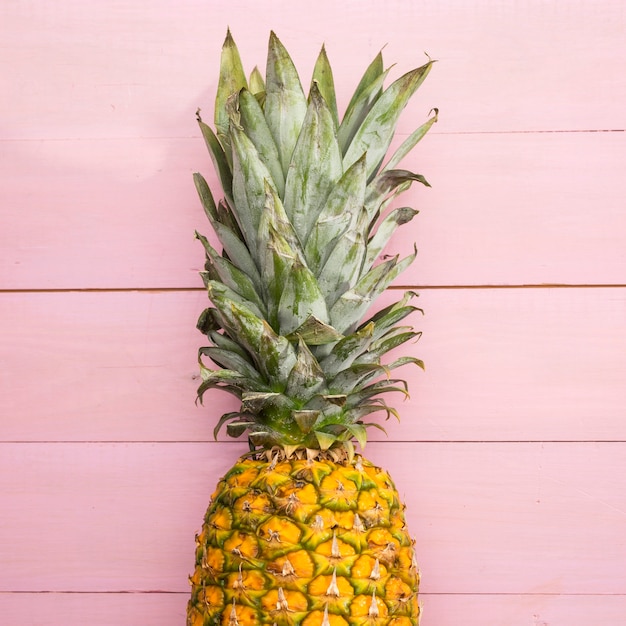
(303, 530)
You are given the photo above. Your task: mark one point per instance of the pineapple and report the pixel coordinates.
(304, 530)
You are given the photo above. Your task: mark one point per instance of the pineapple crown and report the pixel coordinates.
(305, 216)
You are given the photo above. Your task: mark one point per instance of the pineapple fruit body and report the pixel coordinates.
(304, 542)
(303, 530)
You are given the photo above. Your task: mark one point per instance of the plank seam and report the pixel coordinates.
(233, 443)
(394, 287)
(422, 593)
(198, 137)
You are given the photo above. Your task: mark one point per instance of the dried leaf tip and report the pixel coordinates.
(373, 610)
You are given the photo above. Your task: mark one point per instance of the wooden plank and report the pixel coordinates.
(522, 610)
(501, 364)
(114, 69)
(504, 209)
(162, 609)
(104, 609)
(499, 518)
(519, 209)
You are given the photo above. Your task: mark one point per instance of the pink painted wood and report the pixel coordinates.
(512, 66)
(167, 608)
(504, 209)
(511, 450)
(505, 364)
(506, 518)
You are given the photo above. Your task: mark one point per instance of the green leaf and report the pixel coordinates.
(341, 209)
(343, 266)
(226, 217)
(230, 360)
(350, 379)
(232, 79)
(381, 347)
(206, 197)
(301, 299)
(367, 92)
(306, 378)
(305, 419)
(375, 134)
(236, 429)
(273, 355)
(239, 255)
(218, 156)
(409, 143)
(255, 402)
(352, 305)
(315, 167)
(323, 76)
(325, 440)
(226, 380)
(347, 350)
(392, 314)
(233, 277)
(220, 340)
(277, 356)
(227, 417)
(358, 398)
(386, 186)
(278, 250)
(406, 360)
(250, 180)
(359, 432)
(315, 332)
(255, 126)
(385, 230)
(256, 82)
(285, 102)
(208, 321)
(225, 292)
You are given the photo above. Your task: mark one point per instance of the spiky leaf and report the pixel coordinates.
(232, 79)
(386, 186)
(347, 350)
(306, 378)
(273, 355)
(375, 134)
(231, 276)
(340, 210)
(410, 142)
(230, 360)
(314, 332)
(343, 266)
(323, 76)
(301, 298)
(285, 102)
(352, 305)
(256, 83)
(365, 95)
(218, 156)
(250, 178)
(255, 126)
(315, 166)
(385, 230)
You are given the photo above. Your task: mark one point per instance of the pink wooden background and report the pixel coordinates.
(512, 451)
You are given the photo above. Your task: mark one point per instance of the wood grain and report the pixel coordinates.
(511, 449)
(504, 209)
(113, 69)
(164, 609)
(506, 364)
(487, 517)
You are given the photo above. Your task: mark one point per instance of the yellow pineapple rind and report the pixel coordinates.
(304, 542)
